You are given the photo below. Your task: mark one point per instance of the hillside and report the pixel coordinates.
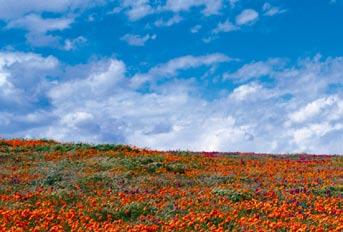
(48, 186)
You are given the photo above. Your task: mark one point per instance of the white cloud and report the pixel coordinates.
(210, 6)
(71, 44)
(38, 27)
(196, 29)
(270, 10)
(137, 9)
(28, 15)
(16, 9)
(233, 3)
(137, 40)
(173, 20)
(312, 109)
(37, 24)
(23, 81)
(173, 66)
(311, 120)
(226, 26)
(255, 70)
(97, 83)
(96, 102)
(310, 136)
(242, 92)
(76, 119)
(42, 40)
(158, 119)
(247, 16)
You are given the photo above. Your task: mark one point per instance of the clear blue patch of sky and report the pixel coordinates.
(307, 28)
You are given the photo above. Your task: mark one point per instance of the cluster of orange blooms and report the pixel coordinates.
(24, 143)
(48, 186)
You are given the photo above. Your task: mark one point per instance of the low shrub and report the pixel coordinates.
(233, 195)
(176, 168)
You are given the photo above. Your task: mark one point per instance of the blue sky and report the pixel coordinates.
(225, 75)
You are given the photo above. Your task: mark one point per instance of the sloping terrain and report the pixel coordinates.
(48, 186)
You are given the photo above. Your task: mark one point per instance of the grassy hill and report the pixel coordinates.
(48, 186)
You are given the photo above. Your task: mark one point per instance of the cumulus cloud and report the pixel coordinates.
(36, 24)
(96, 102)
(43, 40)
(137, 9)
(16, 9)
(312, 109)
(255, 70)
(173, 66)
(226, 26)
(242, 92)
(137, 40)
(97, 83)
(38, 28)
(170, 22)
(72, 44)
(196, 29)
(28, 15)
(157, 119)
(247, 16)
(24, 78)
(210, 6)
(14, 67)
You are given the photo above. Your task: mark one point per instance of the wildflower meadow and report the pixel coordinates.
(50, 186)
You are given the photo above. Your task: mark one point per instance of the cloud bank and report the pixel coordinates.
(101, 104)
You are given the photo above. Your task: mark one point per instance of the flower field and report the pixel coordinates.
(49, 186)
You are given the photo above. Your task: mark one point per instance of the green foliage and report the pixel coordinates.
(134, 210)
(176, 168)
(153, 167)
(247, 212)
(61, 147)
(97, 180)
(114, 147)
(246, 180)
(45, 148)
(105, 147)
(53, 178)
(60, 175)
(210, 180)
(104, 163)
(329, 191)
(4, 157)
(143, 164)
(129, 212)
(233, 195)
(183, 153)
